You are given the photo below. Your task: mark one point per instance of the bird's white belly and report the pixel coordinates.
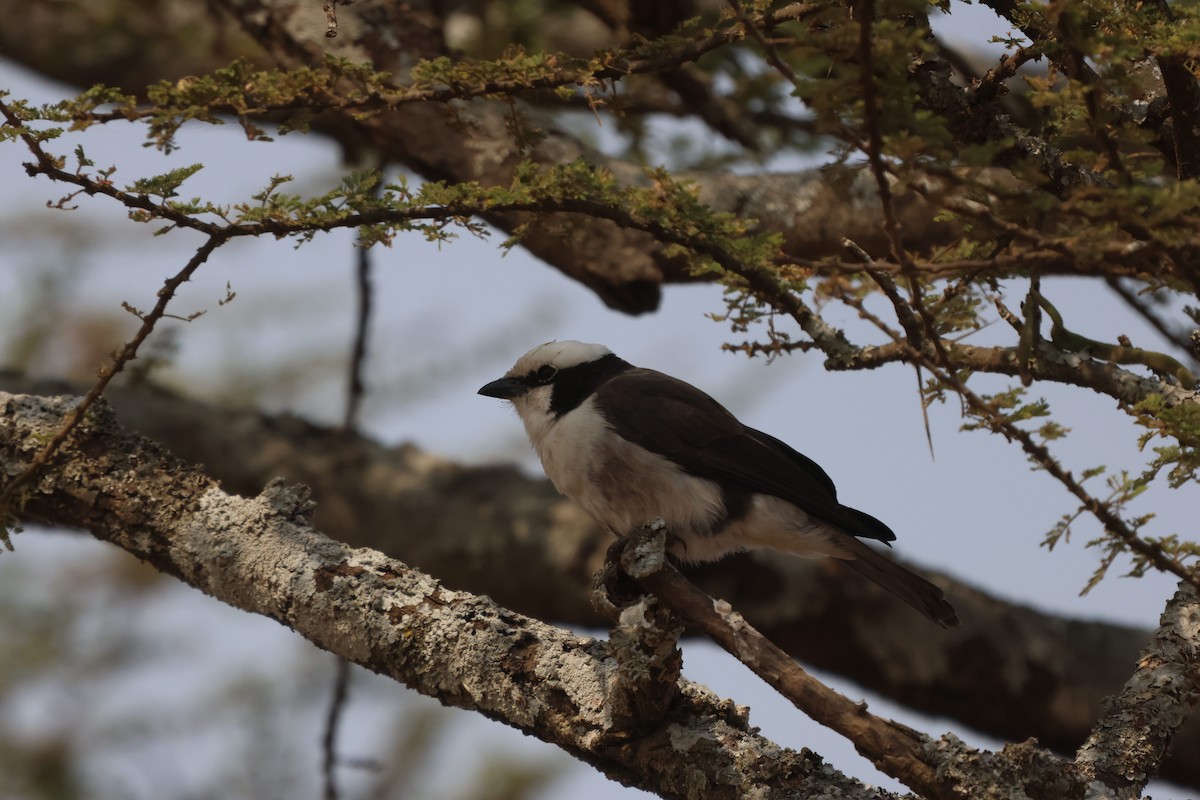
(620, 484)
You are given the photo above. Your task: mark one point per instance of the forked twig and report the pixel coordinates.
(894, 748)
(127, 353)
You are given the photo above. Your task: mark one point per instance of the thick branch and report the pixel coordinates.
(261, 554)
(1129, 742)
(1010, 671)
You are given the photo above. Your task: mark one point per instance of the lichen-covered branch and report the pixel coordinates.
(261, 554)
(1130, 740)
(895, 749)
(484, 528)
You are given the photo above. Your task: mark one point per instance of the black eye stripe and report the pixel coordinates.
(573, 385)
(541, 376)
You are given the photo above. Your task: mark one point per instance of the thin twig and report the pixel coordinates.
(908, 320)
(1176, 337)
(333, 717)
(927, 332)
(356, 386)
(1040, 454)
(1018, 263)
(107, 373)
(1093, 89)
(865, 11)
(992, 84)
(1008, 316)
(772, 54)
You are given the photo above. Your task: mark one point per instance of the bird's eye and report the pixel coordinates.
(545, 374)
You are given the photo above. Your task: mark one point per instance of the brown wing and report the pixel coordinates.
(682, 423)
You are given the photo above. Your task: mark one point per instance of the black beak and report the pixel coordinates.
(505, 388)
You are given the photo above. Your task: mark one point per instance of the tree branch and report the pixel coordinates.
(1129, 742)
(261, 555)
(893, 748)
(485, 529)
(590, 698)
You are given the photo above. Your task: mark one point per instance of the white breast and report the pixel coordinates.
(618, 483)
(568, 449)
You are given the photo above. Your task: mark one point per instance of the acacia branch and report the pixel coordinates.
(630, 277)
(1040, 454)
(261, 555)
(485, 529)
(766, 283)
(9, 492)
(1129, 743)
(557, 72)
(627, 270)
(895, 749)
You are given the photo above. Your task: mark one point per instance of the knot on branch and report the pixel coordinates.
(294, 503)
(644, 639)
(629, 560)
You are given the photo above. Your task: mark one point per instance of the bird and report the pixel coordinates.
(630, 445)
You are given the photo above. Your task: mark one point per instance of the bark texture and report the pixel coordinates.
(261, 554)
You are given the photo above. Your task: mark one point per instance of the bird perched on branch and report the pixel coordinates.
(630, 444)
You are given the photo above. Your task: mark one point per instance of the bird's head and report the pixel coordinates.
(530, 384)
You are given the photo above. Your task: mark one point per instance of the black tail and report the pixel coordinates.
(905, 584)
